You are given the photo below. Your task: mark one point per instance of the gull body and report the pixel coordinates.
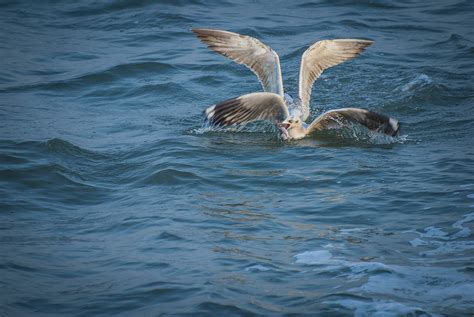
(278, 107)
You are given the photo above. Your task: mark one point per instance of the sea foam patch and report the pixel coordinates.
(449, 286)
(444, 242)
(436, 284)
(328, 263)
(314, 257)
(380, 308)
(257, 268)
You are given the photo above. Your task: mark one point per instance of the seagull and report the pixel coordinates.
(273, 104)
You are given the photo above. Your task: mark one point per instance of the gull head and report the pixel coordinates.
(292, 128)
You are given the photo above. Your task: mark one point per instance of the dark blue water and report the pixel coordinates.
(113, 201)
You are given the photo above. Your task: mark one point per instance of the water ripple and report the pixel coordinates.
(114, 200)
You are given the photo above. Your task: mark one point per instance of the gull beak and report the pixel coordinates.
(285, 125)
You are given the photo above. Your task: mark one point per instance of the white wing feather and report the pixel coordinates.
(320, 56)
(246, 50)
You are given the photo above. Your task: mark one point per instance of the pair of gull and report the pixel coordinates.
(276, 106)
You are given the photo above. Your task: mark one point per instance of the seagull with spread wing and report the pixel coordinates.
(273, 104)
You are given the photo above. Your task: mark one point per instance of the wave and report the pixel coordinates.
(65, 148)
(420, 87)
(369, 307)
(455, 39)
(170, 176)
(383, 4)
(55, 173)
(25, 150)
(418, 83)
(126, 204)
(173, 90)
(211, 307)
(450, 7)
(91, 9)
(144, 299)
(117, 72)
(53, 184)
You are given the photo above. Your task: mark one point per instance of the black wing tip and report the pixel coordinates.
(379, 122)
(363, 45)
(390, 126)
(207, 36)
(367, 43)
(202, 33)
(393, 127)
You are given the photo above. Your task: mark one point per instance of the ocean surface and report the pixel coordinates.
(115, 202)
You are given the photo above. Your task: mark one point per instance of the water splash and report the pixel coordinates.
(358, 134)
(254, 127)
(347, 132)
(420, 81)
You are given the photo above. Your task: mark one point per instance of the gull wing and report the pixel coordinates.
(246, 50)
(373, 121)
(321, 56)
(248, 108)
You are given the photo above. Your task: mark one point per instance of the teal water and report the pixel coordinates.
(113, 202)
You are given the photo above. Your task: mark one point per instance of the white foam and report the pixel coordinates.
(335, 246)
(463, 233)
(330, 264)
(417, 242)
(470, 196)
(378, 308)
(257, 268)
(466, 218)
(438, 233)
(434, 232)
(352, 230)
(444, 243)
(451, 247)
(426, 284)
(367, 267)
(314, 257)
(437, 278)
